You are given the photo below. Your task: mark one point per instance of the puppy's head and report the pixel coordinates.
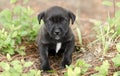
(57, 21)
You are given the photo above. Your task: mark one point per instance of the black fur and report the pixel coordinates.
(55, 29)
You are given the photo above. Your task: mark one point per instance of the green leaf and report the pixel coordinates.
(5, 66)
(118, 4)
(9, 57)
(103, 69)
(17, 10)
(14, 34)
(116, 73)
(5, 73)
(28, 64)
(97, 74)
(118, 47)
(38, 73)
(18, 68)
(9, 50)
(77, 71)
(21, 50)
(69, 71)
(23, 33)
(65, 74)
(116, 60)
(107, 3)
(82, 64)
(15, 62)
(33, 72)
(13, 1)
(5, 17)
(25, 74)
(13, 72)
(7, 41)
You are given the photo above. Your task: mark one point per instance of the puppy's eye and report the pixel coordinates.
(48, 21)
(57, 19)
(64, 20)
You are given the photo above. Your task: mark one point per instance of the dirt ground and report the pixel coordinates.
(85, 11)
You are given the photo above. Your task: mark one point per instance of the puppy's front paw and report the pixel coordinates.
(46, 67)
(64, 63)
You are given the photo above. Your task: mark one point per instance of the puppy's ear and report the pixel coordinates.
(72, 16)
(41, 16)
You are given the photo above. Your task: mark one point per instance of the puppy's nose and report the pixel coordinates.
(57, 32)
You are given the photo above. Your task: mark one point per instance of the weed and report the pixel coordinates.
(105, 35)
(108, 31)
(17, 67)
(18, 25)
(103, 69)
(116, 73)
(118, 47)
(80, 68)
(116, 60)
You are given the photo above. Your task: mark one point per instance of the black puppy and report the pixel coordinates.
(56, 35)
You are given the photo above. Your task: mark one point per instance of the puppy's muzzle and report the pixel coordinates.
(57, 32)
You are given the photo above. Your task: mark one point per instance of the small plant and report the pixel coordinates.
(18, 25)
(80, 68)
(8, 43)
(83, 65)
(117, 57)
(116, 73)
(118, 47)
(105, 34)
(71, 71)
(109, 30)
(117, 64)
(114, 22)
(17, 68)
(116, 60)
(103, 69)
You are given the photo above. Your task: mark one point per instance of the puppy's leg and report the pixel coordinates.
(43, 49)
(67, 55)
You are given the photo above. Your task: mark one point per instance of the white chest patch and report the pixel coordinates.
(58, 46)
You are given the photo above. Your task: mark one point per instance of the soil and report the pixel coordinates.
(85, 10)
